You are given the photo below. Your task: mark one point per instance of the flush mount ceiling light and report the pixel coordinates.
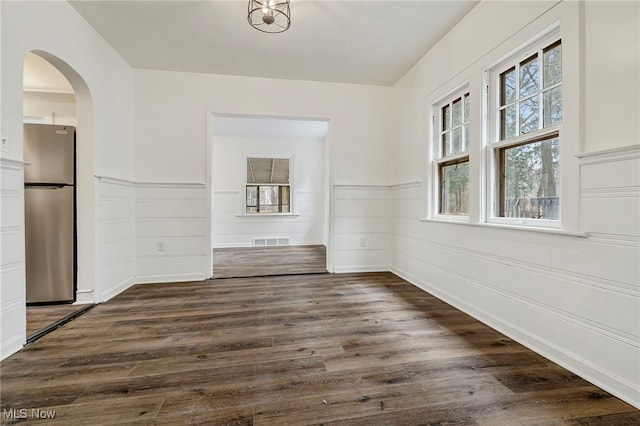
(269, 16)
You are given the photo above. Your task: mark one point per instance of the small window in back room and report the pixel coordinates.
(268, 187)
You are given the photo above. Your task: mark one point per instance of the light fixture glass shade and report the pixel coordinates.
(269, 16)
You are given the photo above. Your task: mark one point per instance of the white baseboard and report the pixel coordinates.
(84, 297)
(617, 386)
(249, 245)
(173, 278)
(11, 346)
(360, 268)
(238, 245)
(116, 289)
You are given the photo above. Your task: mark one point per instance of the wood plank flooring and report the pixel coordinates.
(40, 316)
(348, 349)
(266, 261)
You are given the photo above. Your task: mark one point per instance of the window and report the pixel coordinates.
(451, 156)
(525, 142)
(268, 189)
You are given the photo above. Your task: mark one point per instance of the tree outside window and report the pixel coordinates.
(527, 149)
(451, 156)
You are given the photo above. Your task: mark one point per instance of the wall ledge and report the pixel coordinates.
(4, 161)
(406, 185)
(149, 184)
(608, 155)
(360, 187)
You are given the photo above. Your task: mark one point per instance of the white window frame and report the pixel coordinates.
(438, 158)
(493, 144)
(243, 191)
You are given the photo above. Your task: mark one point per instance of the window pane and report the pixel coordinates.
(445, 117)
(454, 189)
(529, 115)
(457, 140)
(446, 144)
(552, 65)
(508, 122)
(252, 196)
(465, 141)
(466, 108)
(531, 177)
(508, 86)
(529, 76)
(269, 199)
(457, 113)
(552, 107)
(285, 199)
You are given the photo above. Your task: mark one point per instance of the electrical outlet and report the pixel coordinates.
(160, 246)
(363, 242)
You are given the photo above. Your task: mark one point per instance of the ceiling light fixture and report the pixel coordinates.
(269, 16)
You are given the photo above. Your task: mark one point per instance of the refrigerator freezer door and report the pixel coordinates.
(50, 150)
(49, 243)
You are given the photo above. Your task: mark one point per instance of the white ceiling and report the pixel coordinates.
(350, 41)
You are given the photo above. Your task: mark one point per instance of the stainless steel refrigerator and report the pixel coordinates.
(50, 213)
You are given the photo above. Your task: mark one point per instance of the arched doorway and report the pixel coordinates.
(53, 102)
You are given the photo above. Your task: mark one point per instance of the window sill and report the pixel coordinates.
(554, 231)
(244, 215)
(450, 218)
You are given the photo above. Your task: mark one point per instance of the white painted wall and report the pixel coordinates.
(175, 215)
(171, 114)
(612, 70)
(573, 299)
(231, 227)
(174, 144)
(103, 82)
(55, 108)
(360, 215)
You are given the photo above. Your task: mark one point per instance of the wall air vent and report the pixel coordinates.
(271, 242)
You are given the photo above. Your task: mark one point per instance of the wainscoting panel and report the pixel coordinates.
(115, 236)
(171, 232)
(12, 267)
(575, 300)
(609, 192)
(232, 229)
(361, 228)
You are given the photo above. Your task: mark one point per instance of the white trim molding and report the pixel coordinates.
(15, 163)
(608, 155)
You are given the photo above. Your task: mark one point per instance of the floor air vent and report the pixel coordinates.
(271, 242)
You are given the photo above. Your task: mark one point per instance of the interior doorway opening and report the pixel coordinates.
(57, 99)
(270, 195)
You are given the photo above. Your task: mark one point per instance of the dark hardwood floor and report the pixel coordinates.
(39, 317)
(239, 262)
(348, 349)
